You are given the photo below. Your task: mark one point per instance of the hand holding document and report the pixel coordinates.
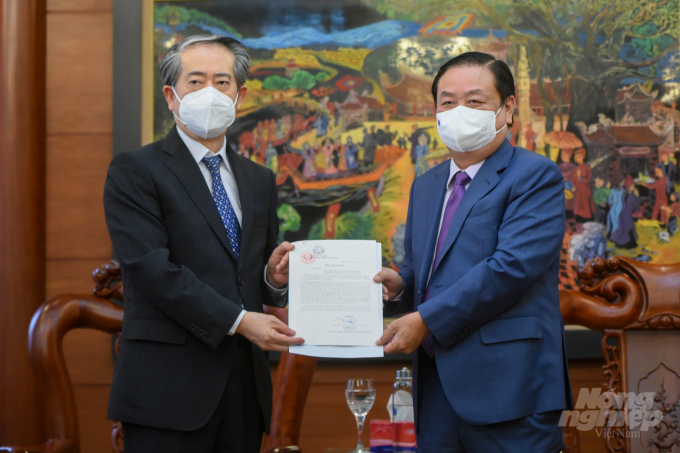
(334, 304)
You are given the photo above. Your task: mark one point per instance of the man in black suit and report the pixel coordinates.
(195, 228)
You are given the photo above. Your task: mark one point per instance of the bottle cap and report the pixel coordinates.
(404, 373)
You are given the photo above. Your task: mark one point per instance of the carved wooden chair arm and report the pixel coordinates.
(50, 323)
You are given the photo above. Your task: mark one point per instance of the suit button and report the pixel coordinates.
(241, 281)
(206, 335)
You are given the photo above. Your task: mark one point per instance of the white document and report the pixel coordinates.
(334, 304)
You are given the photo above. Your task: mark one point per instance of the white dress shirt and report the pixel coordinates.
(453, 169)
(198, 152)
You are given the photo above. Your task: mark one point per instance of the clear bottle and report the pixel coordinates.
(402, 396)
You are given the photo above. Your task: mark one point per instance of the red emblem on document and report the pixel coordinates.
(308, 257)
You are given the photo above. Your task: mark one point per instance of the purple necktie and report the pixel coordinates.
(460, 179)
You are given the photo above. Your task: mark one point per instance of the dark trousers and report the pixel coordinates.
(235, 427)
(441, 430)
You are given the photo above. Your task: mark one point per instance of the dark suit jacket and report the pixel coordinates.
(494, 304)
(183, 286)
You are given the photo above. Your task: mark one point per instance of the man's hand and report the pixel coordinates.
(277, 268)
(392, 283)
(267, 331)
(404, 334)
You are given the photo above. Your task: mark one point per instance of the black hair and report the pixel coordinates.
(505, 82)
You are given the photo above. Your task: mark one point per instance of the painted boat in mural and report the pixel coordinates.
(321, 184)
(384, 157)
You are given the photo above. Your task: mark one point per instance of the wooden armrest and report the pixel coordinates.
(289, 449)
(279, 445)
(51, 446)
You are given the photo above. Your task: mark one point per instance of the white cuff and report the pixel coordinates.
(398, 297)
(275, 292)
(232, 331)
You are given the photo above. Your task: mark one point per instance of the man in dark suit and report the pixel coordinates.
(483, 238)
(194, 225)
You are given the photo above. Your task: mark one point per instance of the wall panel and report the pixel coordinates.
(79, 5)
(79, 116)
(76, 170)
(68, 276)
(79, 72)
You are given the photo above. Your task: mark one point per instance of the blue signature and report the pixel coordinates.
(351, 320)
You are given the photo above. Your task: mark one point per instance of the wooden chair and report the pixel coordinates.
(637, 306)
(59, 315)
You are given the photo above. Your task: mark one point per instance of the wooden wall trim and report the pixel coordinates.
(22, 210)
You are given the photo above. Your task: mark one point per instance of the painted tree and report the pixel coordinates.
(596, 43)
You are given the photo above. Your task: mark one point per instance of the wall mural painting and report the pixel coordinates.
(339, 107)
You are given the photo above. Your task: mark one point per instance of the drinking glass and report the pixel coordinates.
(360, 394)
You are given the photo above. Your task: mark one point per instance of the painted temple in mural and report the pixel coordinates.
(339, 107)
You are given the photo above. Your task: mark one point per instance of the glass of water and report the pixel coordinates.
(360, 394)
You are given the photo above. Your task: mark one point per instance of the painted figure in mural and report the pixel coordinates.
(319, 159)
(280, 129)
(309, 158)
(673, 212)
(479, 278)
(415, 133)
(587, 245)
(530, 137)
(381, 138)
(265, 135)
(600, 199)
(369, 146)
(513, 132)
(566, 166)
(351, 152)
(659, 187)
(339, 156)
(625, 235)
(669, 171)
(615, 202)
(422, 150)
(324, 124)
(390, 135)
(192, 374)
(328, 151)
(273, 130)
(258, 132)
(401, 142)
(271, 158)
(318, 127)
(242, 150)
(581, 175)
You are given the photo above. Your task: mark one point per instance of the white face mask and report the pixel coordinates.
(464, 129)
(206, 112)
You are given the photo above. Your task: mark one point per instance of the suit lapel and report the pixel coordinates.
(484, 181)
(244, 182)
(183, 165)
(435, 202)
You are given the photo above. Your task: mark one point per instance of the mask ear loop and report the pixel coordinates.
(504, 126)
(180, 101)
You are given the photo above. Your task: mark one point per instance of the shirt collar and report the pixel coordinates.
(471, 170)
(198, 151)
